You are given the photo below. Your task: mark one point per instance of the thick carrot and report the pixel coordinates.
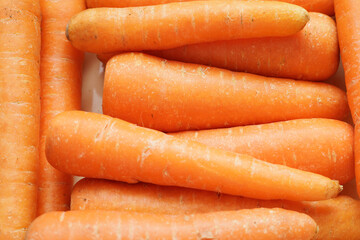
(259, 224)
(173, 96)
(322, 146)
(337, 218)
(19, 116)
(348, 22)
(102, 30)
(311, 54)
(323, 6)
(98, 146)
(61, 66)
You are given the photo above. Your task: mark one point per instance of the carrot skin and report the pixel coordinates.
(322, 146)
(322, 6)
(61, 66)
(260, 224)
(102, 30)
(337, 218)
(172, 96)
(19, 116)
(93, 144)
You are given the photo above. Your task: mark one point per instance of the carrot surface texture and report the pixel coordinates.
(337, 218)
(259, 224)
(99, 146)
(322, 146)
(323, 6)
(103, 30)
(348, 22)
(19, 115)
(61, 66)
(173, 96)
(311, 54)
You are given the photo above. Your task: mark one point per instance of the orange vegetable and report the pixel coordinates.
(323, 6)
(259, 224)
(322, 146)
(337, 218)
(173, 96)
(99, 146)
(19, 115)
(61, 67)
(348, 22)
(102, 30)
(311, 54)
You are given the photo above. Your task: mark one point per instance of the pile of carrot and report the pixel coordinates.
(214, 124)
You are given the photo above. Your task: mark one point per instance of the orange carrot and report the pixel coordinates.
(31, 6)
(259, 224)
(99, 146)
(323, 6)
(173, 96)
(102, 30)
(348, 22)
(19, 116)
(357, 157)
(337, 218)
(311, 54)
(322, 146)
(61, 66)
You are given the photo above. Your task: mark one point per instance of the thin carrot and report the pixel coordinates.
(337, 218)
(322, 146)
(102, 30)
(173, 96)
(357, 157)
(323, 6)
(61, 66)
(19, 115)
(348, 22)
(99, 146)
(259, 224)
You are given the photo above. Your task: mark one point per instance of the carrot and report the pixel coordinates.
(19, 116)
(32, 6)
(173, 96)
(323, 6)
(322, 146)
(61, 66)
(102, 30)
(357, 157)
(311, 54)
(337, 218)
(99, 146)
(348, 21)
(260, 224)
(349, 39)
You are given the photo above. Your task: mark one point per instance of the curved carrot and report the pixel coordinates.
(60, 73)
(99, 146)
(173, 96)
(337, 218)
(19, 116)
(260, 224)
(322, 146)
(311, 54)
(323, 6)
(102, 30)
